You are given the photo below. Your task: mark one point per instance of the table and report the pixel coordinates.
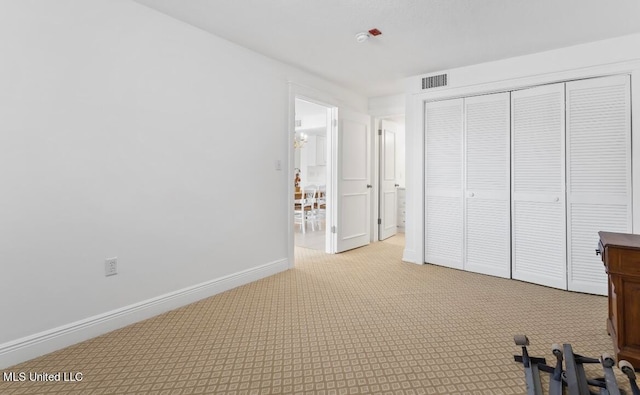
(621, 257)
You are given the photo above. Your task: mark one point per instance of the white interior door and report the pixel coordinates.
(598, 174)
(443, 183)
(353, 186)
(388, 206)
(538, 181)
(487, 185)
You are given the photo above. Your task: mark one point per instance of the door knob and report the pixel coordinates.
(369, 186)
(472, 194)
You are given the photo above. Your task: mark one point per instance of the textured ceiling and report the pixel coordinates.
(419, 36)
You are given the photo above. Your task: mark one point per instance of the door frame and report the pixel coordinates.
(304, 93)
(380, 133)
(377, 116)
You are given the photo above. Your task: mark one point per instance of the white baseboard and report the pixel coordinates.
(29, 347)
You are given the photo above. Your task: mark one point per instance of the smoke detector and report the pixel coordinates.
(364, 36)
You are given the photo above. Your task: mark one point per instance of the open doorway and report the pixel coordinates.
(311, 174)
(391, 172)
(348, 179)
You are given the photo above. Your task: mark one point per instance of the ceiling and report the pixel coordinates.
(418, 36)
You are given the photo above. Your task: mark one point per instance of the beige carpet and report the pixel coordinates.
(353, 323)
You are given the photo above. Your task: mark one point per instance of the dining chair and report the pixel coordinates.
(310, 197)
(321, 203)
(303, 209)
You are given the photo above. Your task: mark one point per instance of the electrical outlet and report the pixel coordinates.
(110, 266)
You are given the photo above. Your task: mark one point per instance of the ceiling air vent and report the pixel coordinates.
(434, 81)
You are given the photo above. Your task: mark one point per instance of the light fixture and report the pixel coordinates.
(299, 140)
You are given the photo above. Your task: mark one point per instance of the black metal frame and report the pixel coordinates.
(573, 377)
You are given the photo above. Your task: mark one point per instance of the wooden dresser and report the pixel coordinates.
(621, 256)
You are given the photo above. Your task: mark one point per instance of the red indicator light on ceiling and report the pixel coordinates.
(375, 32)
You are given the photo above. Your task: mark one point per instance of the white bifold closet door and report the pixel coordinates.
(538, 186)
(487, 194)
(443, 183)
(598, 174)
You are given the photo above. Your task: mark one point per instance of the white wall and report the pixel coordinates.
(387, 106)
(614, 56)
(127, 133)
(515, 71)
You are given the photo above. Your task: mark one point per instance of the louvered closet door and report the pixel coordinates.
(487, 185)
(538, 182)
(443, 183)
(598, 174)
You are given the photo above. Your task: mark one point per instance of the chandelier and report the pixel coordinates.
(299, 139)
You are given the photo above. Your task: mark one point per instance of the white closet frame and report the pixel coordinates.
(414, 227)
